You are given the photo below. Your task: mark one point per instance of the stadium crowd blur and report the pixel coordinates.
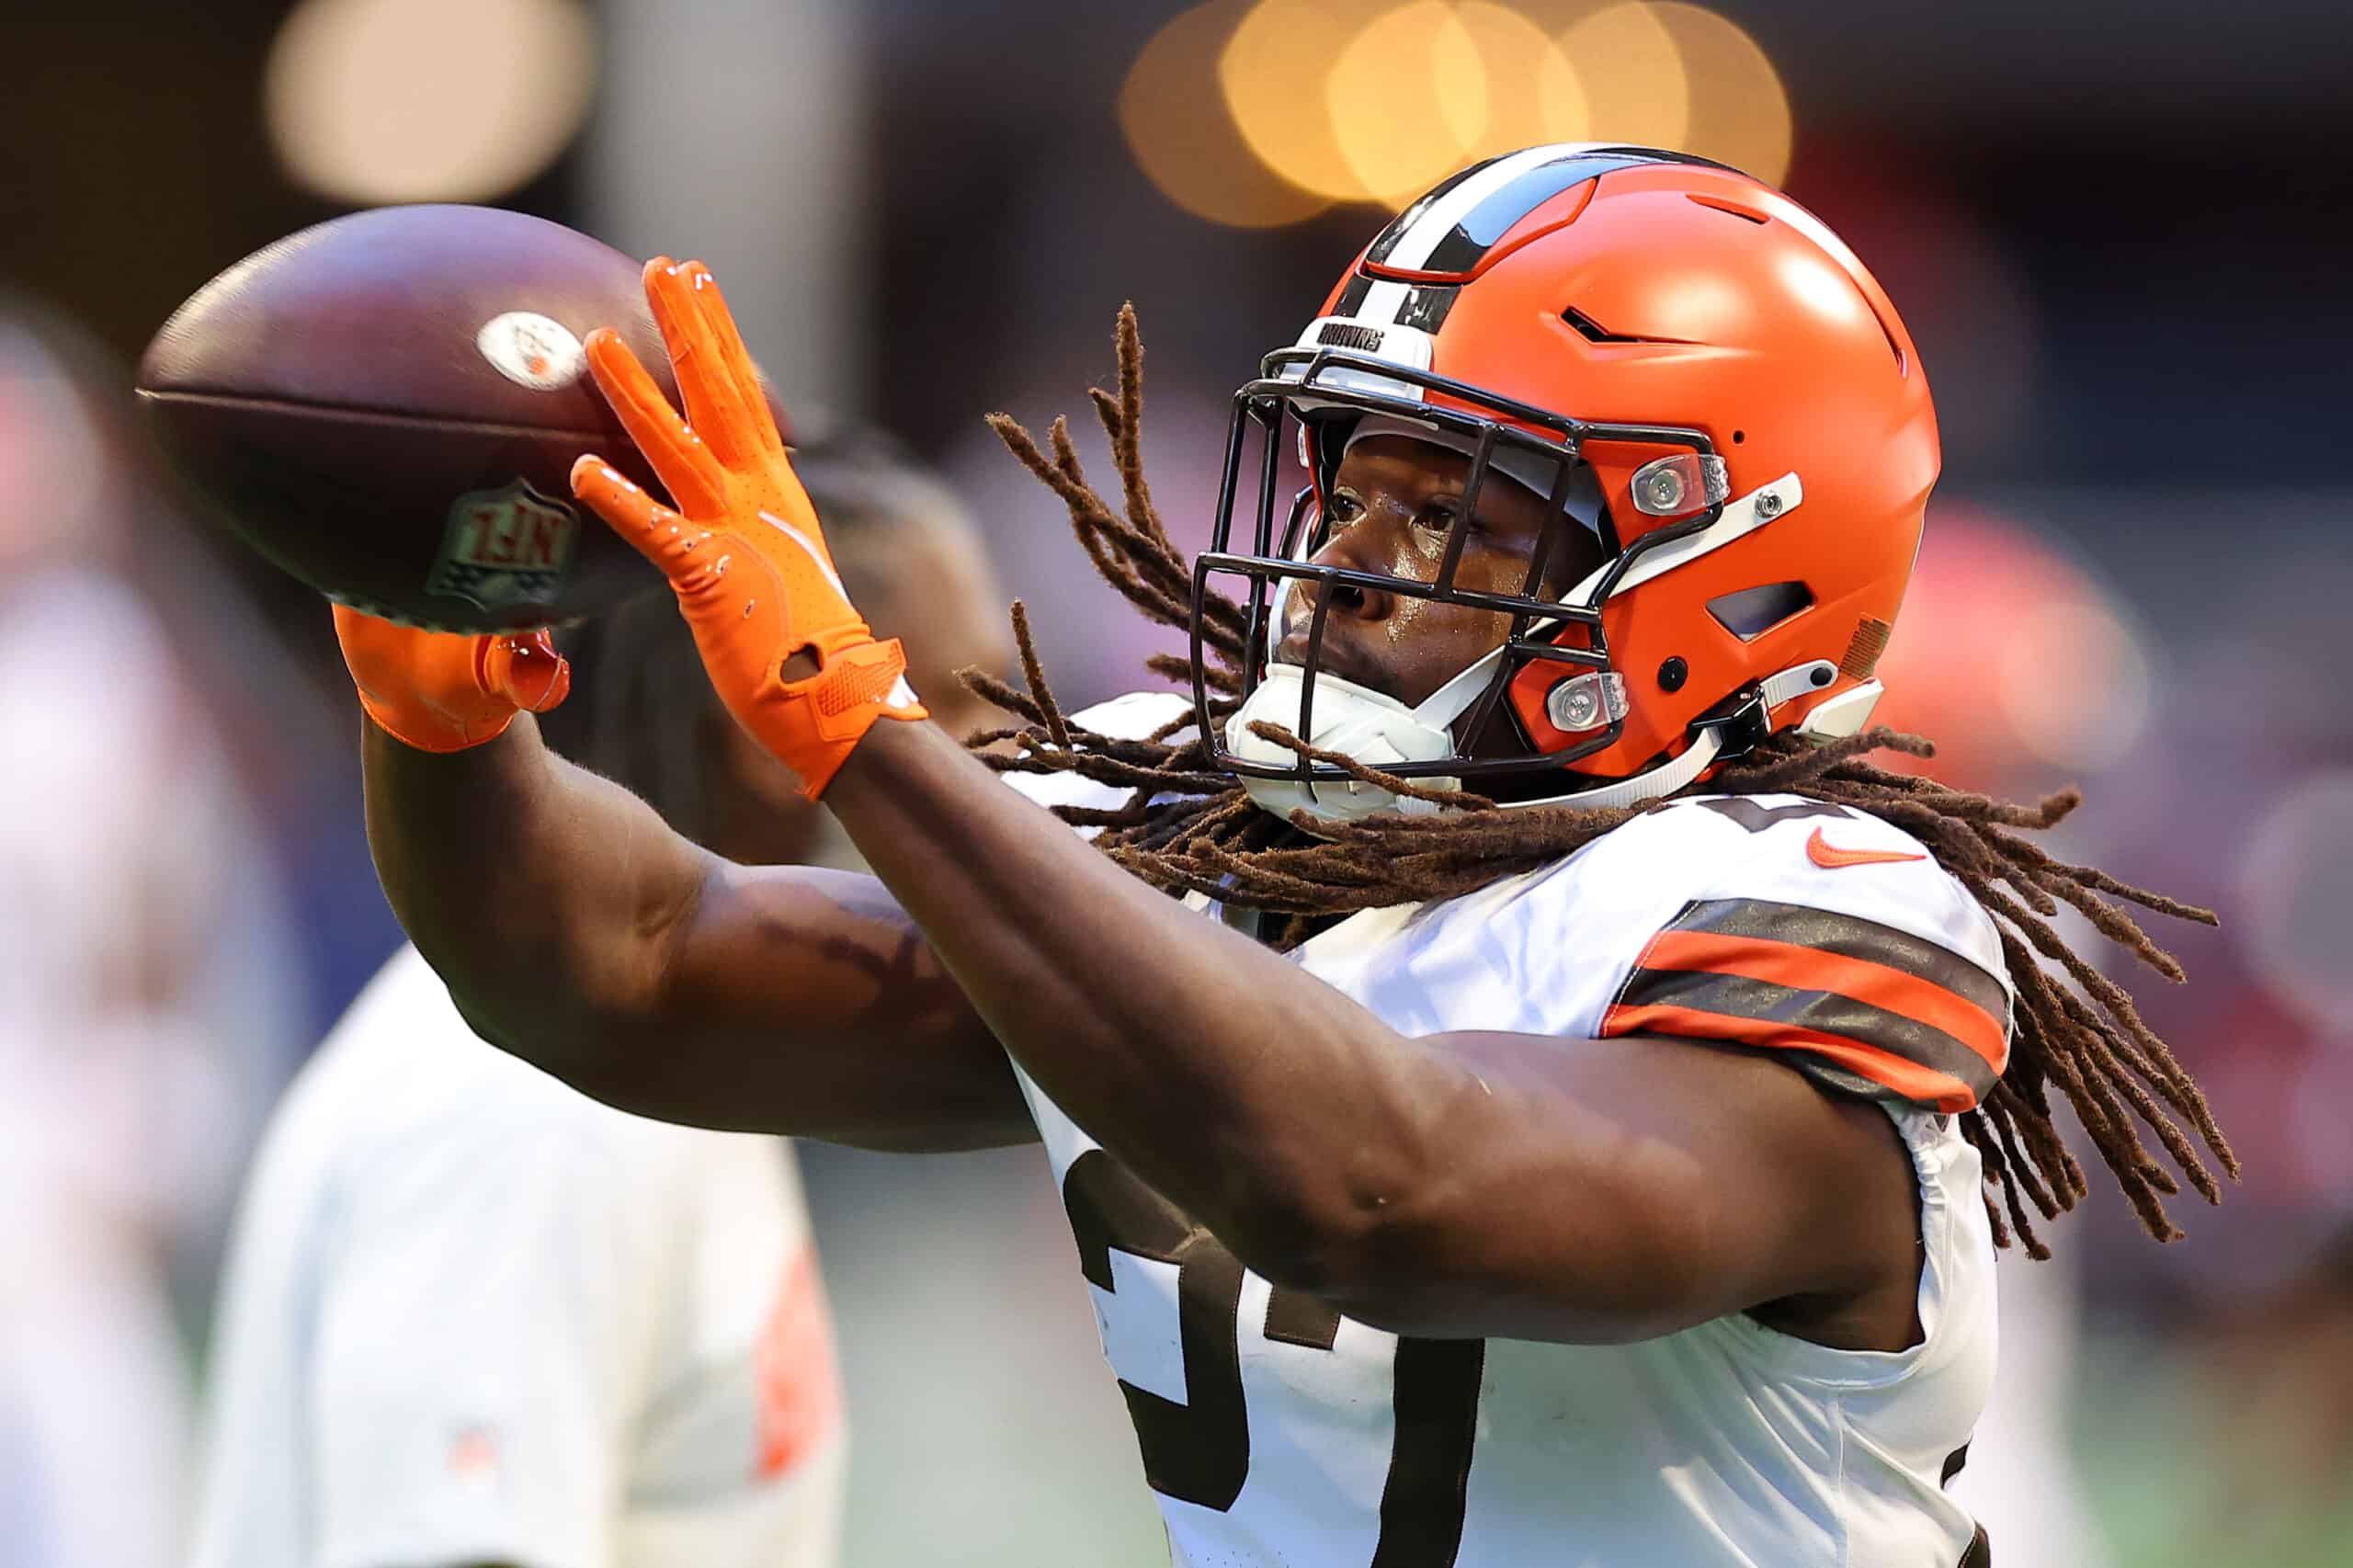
(2117, 232)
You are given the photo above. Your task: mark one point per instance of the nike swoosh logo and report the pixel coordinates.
(1830, 858)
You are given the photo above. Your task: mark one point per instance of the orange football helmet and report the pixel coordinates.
(1721, 390)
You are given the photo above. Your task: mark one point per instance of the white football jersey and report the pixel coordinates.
(473, 1316)
(1281, 1434)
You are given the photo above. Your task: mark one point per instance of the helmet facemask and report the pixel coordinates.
(1313, 395)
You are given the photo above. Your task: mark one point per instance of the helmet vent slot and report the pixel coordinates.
(1752, 613)
(1592, 330)
(1717, 204)
(1902, 366)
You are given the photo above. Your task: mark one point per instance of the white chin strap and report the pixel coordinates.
(1380, 732)
(1355, 721)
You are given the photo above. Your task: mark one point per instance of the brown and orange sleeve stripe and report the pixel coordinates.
(1871, 1009)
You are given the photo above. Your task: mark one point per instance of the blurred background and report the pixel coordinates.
(2118, 232)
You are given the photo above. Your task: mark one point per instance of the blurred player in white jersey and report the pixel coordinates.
(148, 982)
(474, 1317)
(1566, 1111)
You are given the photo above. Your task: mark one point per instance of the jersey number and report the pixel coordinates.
(1199, 1450)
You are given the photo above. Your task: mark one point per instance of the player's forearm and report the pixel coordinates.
(576, 931)
(543, 895)
(1288, 1120)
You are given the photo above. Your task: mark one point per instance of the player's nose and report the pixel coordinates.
(1342, 648)
(1355, 548)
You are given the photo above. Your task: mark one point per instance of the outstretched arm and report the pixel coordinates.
(576, 931)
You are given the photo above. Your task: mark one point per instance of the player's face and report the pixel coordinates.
(1391, 504)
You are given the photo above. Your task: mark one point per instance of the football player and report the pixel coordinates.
(1553, 1122)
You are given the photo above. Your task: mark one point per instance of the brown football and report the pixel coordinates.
(388, 405)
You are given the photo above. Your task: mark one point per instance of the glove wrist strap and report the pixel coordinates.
(825, 715)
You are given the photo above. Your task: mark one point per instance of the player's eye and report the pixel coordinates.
(1432, 523)
(1345, 507)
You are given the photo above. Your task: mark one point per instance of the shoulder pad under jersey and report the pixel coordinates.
(1819, 930)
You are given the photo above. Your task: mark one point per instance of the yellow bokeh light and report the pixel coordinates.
(426, 100)
(1740, 112)
(1630, 71)
(1374, 100)
(1199, 160)
(1271, 74)
(1534, 93)
(1407, 99)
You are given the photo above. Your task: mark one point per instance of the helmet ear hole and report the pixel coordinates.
(1752, 613)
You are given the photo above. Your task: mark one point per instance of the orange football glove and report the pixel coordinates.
(444, 692)
(743, 551)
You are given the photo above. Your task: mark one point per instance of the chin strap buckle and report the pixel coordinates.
(1740, 721)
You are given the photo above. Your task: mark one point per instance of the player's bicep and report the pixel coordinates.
(1610, 1190)
(805, 1001)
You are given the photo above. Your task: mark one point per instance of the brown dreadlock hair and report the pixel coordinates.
(1189, 828)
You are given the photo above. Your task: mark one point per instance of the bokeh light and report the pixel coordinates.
(2073, 684)
(2295, 899)
(1534, 94)
(1271, 76)
(1407, 99)
(426, 100)
(1199, 160)
(1740, 112)
(1628, 77)
(2073, 680)
(1374, 100)
(2059, 677)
